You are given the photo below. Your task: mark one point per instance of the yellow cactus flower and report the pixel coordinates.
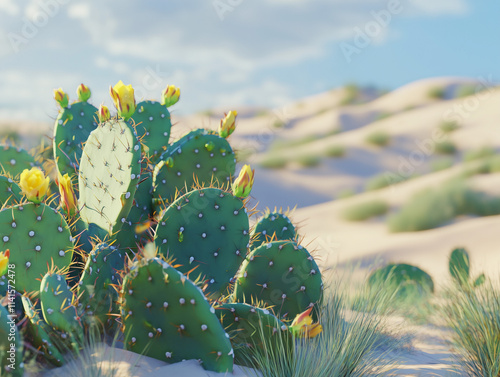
(103, 114)
(303, 327)
(83, 92)
(68, 198)
(61, 97)
(4, 261)
(228, 124)
(123, 98)
(33, 184)
(170, 95)
(243, 184)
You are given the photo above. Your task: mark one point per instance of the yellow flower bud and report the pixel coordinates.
(243, 184)
(33, 184)
(83, 92)
(103, 114)
(4, 261)
(68, 198)
(303, 327)
(228, 124)
(61, 97)
(170, 95)
(123, 98)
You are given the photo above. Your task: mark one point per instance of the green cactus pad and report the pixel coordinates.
(95, 289)
(208, 229)
(407, 279)
(59, 306)
(283, 275)
(10, 192)
(200, 156)
(152, 124)
(38, 332)
(38, 237)
(459, 265)
(273, 226)
(11, 348)
(248, 325)
(72, 128)
(14, 160)
(109, 173)
(166, 316)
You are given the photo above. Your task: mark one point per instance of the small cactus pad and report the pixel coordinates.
(14, 160)
(38, 237)
(407, 279)
(248, 325)
(11, 348)
(200, 156)
(152, 124)
(273, 226)
(208, 229)
(10, 192)
(109, 173)
(282, 274)
(96, 290)
(59, 306)
(166, 316)
(72, 128)
(38, 332)
(459, 265)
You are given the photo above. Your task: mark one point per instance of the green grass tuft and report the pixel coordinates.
(308, 160)
(335, 151)
(365, 211)
(383, 180)
(437, 93)
(445, 147)
(442, 164)
(448, 127)
(477, 154)
(378, 138)
(274, 162)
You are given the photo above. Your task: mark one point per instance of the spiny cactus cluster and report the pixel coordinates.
(154, 242)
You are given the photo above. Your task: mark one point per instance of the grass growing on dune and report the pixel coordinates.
(431, 208)
(366, 210)
(352, 344)
(474, 317)
(378, 138)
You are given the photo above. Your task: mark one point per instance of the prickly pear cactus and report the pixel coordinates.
(14, 160)
(38, 237)
(166, 316)
(207, 229)
(201, 156)
(108, 177)
(152, 124)
(72, 128)
(59, 306)
(459, 266)
(38, 332)
(10, 192)
(273, 226)
(248, 326)
(11, 349)
(96, 291)
(283, 275)
(408, 280)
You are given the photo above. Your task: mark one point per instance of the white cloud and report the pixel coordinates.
(441, 7)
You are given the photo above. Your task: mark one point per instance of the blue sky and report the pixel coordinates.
(231, 53)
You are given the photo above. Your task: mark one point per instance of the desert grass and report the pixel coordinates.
(384, 180)
(308, 160)
(445, 147)
(449, 127)
(335, 151)
(441, 164)
(365, 210)
(435, 207)
(378, 138)
(274, 162)
(480, 153)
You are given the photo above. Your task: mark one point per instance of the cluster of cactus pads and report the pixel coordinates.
(148, 238)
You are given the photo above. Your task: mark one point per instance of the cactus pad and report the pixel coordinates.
(407, 279)
(72, 128)
(10, 192)
(11, 349)
(282, 274)
(273, 226)
(14, 160)
(201, 156)
(38, 237)
(166, 316)
(108, 177)
(208, 229)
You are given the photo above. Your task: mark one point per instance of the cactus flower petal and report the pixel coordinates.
(170, 95)
(303, 327)
(83, 93)
(68, 197)
(228, 124)
(103, 114)
(4, 261)
(61, 97)
(34, 184)
(123, 98)
(243, 184)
